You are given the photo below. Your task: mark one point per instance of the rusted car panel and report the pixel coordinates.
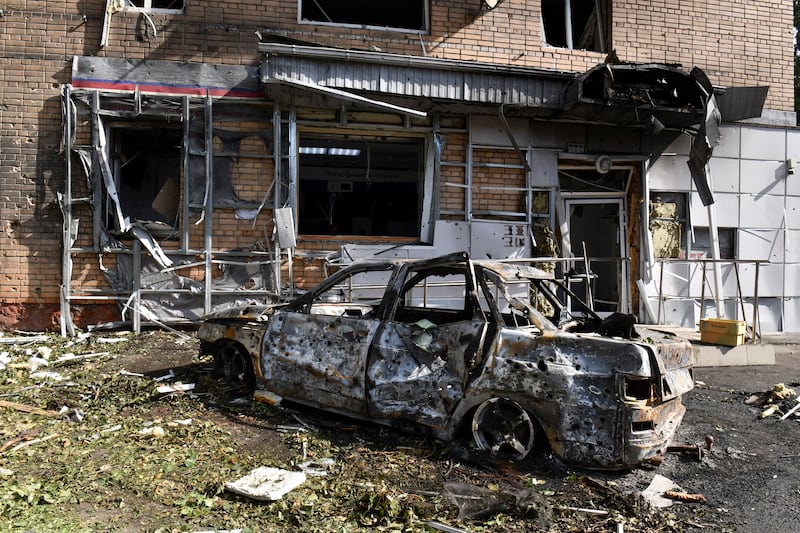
(442, 344)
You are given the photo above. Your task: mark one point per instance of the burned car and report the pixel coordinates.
(451, 345)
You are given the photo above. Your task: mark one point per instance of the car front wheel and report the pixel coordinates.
(503, 428)
(233, 363)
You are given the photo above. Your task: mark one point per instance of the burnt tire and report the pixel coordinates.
(233, 363)
(504, 428)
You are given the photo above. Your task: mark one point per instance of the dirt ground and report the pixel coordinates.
(749, 480)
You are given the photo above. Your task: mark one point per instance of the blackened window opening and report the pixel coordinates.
(369, 187)
(148, 169)
(409, 14)
(576, 24)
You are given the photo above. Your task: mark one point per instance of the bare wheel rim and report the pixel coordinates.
(503, 428)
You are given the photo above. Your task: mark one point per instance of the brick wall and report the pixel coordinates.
(737, 43)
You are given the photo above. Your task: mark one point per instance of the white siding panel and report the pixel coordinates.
(763, 144)
(770, 280)
(725, 174)
(761, 211)
(670, 173)
(793, 246)
(793, 280)
(763, 177)
(791, 317)
(729, 286)
(729, 144)
(726, 207)
(792, 212)
(769, 314)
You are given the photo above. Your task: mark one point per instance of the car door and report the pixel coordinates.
(316, 352)
(419, 358)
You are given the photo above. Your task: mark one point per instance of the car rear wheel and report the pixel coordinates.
(503, 428)
(233, 363)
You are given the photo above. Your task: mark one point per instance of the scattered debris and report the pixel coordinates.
(175, 387)
(654, 493)
(28, 408)
(266, 483)
(791, 411)
(317, 467)
(684, 496)
(155, 432)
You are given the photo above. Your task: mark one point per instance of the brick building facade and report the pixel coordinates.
(206, 123)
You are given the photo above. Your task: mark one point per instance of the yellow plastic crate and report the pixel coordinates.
(722, 325)
(725, 339)
(722, 331)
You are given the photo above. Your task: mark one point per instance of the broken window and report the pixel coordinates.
(156, 6)
(701, 243)
(576, 24)
(360, 187)
(147, 170)
(408, 15)
(668, 224)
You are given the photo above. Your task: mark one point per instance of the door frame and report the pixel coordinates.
(623, 282)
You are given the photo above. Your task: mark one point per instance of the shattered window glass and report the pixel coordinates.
(411, 14)
(576, 24)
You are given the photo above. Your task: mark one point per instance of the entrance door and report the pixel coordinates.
(599, 224)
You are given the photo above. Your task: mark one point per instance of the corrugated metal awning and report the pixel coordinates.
(437, 80)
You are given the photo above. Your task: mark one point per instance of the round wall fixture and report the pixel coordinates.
(602, 164)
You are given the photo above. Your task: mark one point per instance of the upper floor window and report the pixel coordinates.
(408, 15)
(156, 6)
(577, 24)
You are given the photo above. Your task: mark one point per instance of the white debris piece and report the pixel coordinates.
(54, 376)
(317, 468)
(175, 387)
(266, 483)
(45, 352)
(654, 492)
(153, 431)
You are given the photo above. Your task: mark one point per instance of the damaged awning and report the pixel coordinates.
(436, 81)
(631, 93)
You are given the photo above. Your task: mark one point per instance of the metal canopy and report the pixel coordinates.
(437, 80)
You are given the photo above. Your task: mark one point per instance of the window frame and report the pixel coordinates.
(147, 7)
(426, 21)
(603, 24)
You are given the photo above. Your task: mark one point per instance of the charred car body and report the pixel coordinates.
(447, 344)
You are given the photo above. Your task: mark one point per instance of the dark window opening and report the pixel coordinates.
(147, 168)
(172, 5)
(407, 15)
(576, 24)
(365, 187)
(701, 244)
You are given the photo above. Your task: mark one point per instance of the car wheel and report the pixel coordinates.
(233, 363)
(503, 428)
